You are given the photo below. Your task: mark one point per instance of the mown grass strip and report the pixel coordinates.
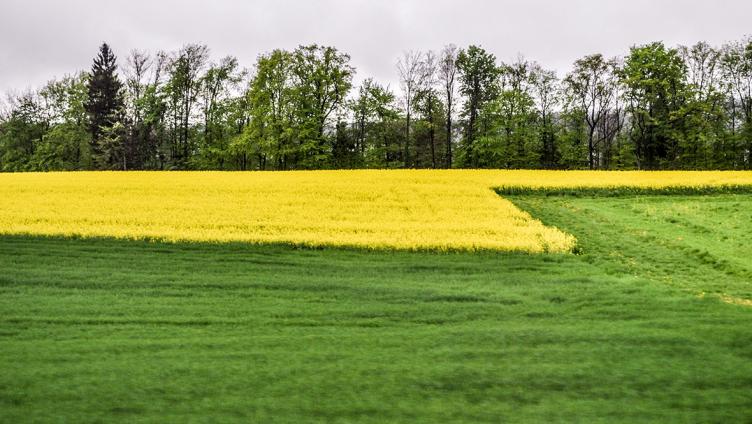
(620, 191)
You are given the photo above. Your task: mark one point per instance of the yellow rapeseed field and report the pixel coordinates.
(405, 209)
(614, 179)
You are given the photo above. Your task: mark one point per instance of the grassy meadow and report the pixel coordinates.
(649, 321)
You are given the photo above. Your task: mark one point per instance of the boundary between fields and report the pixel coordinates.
(623, 191)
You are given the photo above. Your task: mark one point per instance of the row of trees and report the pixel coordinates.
(656, 108)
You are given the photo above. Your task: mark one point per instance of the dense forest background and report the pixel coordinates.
(658, 107)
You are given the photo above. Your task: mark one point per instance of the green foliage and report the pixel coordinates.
(427, 132)
(271, 99)
(292, 99)
(514, 118)
(110, 148)
(376, 126)
(222, 113)
(65, 147)
(517, 129)
(545, 91)
(592, 93)
(20, 134)
(656, 91)
(572, 139)
(658, 108)
(479, 83)
(182, 94)
(323, 78)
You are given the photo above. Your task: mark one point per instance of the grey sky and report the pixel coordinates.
(42, 39)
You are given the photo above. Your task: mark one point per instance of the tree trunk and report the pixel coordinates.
(591, 149)
(407, 134)
(449, 132)
(431, 132)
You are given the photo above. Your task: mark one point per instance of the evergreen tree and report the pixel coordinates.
(105, 104)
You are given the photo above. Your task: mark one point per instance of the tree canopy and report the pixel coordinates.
(657, 107)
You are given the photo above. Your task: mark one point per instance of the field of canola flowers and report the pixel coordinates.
(400, 209)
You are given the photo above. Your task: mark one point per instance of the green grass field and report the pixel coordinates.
(645, 324)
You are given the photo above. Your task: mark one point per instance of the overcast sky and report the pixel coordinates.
(42, 39)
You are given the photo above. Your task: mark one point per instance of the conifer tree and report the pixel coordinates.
(105, 102)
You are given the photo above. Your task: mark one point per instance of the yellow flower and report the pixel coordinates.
(403, 209)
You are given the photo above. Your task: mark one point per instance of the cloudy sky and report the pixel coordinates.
(42, 39)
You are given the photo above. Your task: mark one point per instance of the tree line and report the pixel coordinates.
(658, 107)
